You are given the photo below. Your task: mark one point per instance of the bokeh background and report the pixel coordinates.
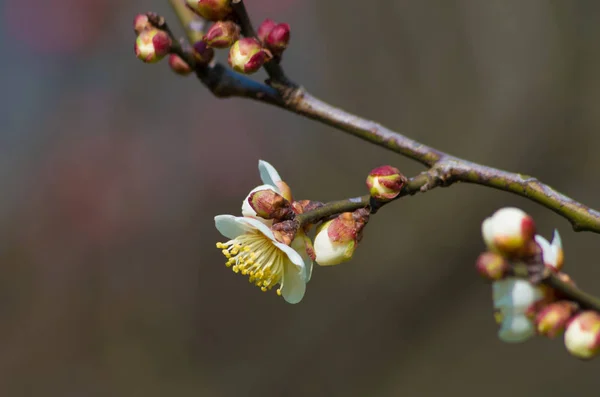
(111, 172)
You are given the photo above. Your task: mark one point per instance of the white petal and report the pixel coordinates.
(253, 223)
(516, 329)
(293, 285)
(299, 245)
(487, 231)
(247, 209)
(329, 253)
(556, 240)
(268, 174)
(515, 295)
(230, 226)
(294, 257)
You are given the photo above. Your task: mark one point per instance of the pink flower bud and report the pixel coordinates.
(246, 55)
(152, 45)
(203, 53)
(212, 10)
(141, 23)
(270, 205)
(582, 337)
(222, 34)
(264, 29)
(178, 65)
(336, 240)
(552, 319)
(278, 39)
(510, 232)
(492, 266)
(385, 182)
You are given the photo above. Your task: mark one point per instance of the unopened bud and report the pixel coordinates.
(246, 55)
(492, 266)
(509, 231)
(152, 45)
(278, 39)
(141, 23)
(264, 29)
(222, 34)
(385, 182)
(212, 10)
(582, 337)
(552, 319)
(178, 65)
(203, 53)
(336, 240)
(270, 205)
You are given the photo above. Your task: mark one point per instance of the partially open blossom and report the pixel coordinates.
(246, 55)
(178, 65)
(492, 266)
(385, 182)
(264, 29)
(552, 319)
(203, 53)
(336, 240)
(552, 253)
(278, 38)
(509, 231)
(222, 34)
(141, 23)
(254, 251)
(152, 45)
(212, 10)
(582, 337)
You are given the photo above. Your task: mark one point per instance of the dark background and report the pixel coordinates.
(111, 172)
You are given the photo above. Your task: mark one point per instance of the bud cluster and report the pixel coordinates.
(523, 308)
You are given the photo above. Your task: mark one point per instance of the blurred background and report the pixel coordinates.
(111, 172)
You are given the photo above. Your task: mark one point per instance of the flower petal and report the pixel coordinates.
(294, 257)
(247, 209)
(254, 223)
(300, 245)
(268, 174)
(516, 329)
(230, 226)
(515, 295)
(293, 285)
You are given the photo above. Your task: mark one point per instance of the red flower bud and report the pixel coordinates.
(278, 39)
(264, 29)
(385, 182)
(152, 45)
(213, 10)
(178, 65)
(203, 53)
(222, 34)
(246, 55)
(141, 23)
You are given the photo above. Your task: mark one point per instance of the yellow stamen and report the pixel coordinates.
(256, 256)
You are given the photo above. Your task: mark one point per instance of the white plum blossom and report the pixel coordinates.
(253, 251)
(552, 253)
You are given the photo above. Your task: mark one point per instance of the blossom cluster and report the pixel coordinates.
(246, 54)
(268, 245)
(516, 260)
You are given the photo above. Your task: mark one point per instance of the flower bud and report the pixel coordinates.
(152, 45)
(203, 53)
(509, 231)
(385, 182)
(582, 337)
(178, 65)
(337, 239)
(264, 29)
(270, 205)
(552, 319)
(246, 55)
(222, 34)
(212, 10)
(278, 39)
(330, 251)
(141, 23)
(492, 266)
